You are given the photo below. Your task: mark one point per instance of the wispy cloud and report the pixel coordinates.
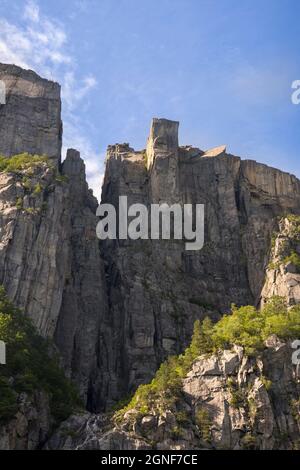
(32, 11)
(40, 43)
(74, 92)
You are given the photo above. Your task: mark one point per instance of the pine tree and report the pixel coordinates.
(201, 340)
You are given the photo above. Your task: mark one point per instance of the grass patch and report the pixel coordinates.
(21, 162)
(26, 183)
(37, 189)
(19, 203)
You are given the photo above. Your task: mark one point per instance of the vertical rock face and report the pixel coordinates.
(118, 308)
(49, 255)
(283, 271)
(162, 160)
(84, 304)
(30, 120)
(50, 263)
(33, 243)
(264, 195)
(31, 425)
(156, 288)
(163, 139)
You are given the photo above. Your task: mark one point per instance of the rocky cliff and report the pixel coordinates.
(30, 120)
(156, 288)
(49, 258)
(117, 308)
(31, 425)
(228, 401)
(283, 270)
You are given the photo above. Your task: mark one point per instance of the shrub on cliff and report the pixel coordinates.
(21, 162)
(249, 327)
(29, 366)
(202, 342)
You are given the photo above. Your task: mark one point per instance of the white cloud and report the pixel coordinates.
(40, 43)
(73, 92)
(36, 44)
(32, 11)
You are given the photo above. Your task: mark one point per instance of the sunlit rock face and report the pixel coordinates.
(50, 260)
(30, 120)
(156, 288)
(117, 308)
(228, 401)
(283, 271)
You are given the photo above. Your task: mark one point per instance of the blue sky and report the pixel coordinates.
(223, 68)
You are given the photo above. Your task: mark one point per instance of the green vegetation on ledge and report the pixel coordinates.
(245, 326)
(29, 366)
(295, 220)
(23, 161)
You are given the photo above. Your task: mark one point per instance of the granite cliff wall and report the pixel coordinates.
(156, 288)
(30, 120)
(118, 308)
(50, 261)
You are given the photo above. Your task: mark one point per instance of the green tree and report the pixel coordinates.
(201, 340)
(243, 326)
(29, 366)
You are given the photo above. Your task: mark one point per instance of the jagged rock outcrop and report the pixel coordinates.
(30, 120)
(229, 401)
(50, 262)
(31, 426)
(49, 254)
(283, 270)
(33, 248)
(80, 329)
